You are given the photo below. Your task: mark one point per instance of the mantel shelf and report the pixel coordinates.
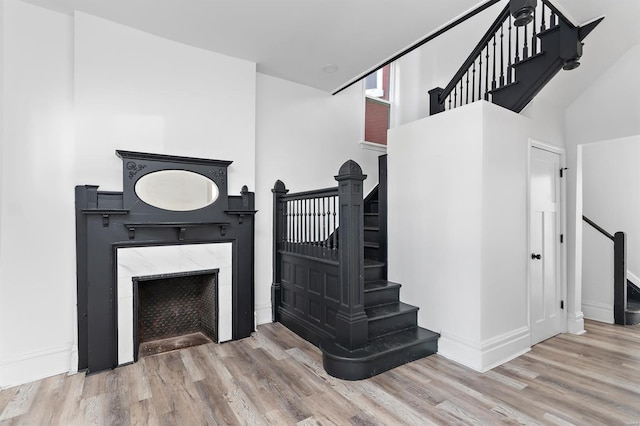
(105, 213)
(180, 226)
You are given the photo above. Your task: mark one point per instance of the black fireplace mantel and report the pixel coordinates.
(107, 220)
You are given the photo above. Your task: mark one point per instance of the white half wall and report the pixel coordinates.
(458, 229)
(303, 137)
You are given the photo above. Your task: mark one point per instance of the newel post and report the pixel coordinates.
(278, 237)
(435, 105)
(351, 320)
(619, 277)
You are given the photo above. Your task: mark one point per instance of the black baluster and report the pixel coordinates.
(502, 55)
(486, 75)
(534, 38)
(324, 222)
(315, 222)
(509, 70)
(455, 95)
(473, 83)
(553, 19)
(543, 24)
(467, 87)
(525, 49)
(493, 80)
(480, 77)
(449, 97)
(335, 227)
(517, 58)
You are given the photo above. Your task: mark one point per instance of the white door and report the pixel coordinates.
(545, 284)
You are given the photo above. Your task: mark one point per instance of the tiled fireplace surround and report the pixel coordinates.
(166, 259)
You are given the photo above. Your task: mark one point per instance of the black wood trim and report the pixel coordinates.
(382, 209)
(171, 158)
(326, 192)
(598, 228)
(620, 278)
(425, 40)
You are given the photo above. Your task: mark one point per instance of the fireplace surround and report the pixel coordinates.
(122, 235)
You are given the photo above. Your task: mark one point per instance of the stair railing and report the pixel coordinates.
(619, 271)
(490, 65)
(323, 228)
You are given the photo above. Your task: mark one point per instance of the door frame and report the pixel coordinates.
(533, 143)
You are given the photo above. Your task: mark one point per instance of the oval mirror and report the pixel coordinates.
(177, 190)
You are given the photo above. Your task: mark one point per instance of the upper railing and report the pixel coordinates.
(619, 271)
(490, 65)
(309, 223)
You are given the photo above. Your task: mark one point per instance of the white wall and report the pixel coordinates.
(37, 267)
(457, 229)
(74, 90)
(611, 198)
(139, 92)
(303, 137)
(609, 109)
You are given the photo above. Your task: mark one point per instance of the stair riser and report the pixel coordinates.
(374, 273)
(632, 318)
(370, 220)
(371, 207)
(371, 235)
(381, 297)
(383, 326)
(371, 252)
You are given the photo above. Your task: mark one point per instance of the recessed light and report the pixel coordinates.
(330, 68)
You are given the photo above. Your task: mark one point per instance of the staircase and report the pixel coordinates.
(511, 64)
(632, 310)
(394, 336)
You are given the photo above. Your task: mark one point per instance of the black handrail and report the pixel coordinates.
(474, 54)
(598, 228)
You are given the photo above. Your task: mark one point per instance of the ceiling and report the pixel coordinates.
(290, 39)
(296, 39)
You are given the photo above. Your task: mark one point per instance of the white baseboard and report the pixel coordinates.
(28, 367)
(575, 323)
(633, 278)
(263, 313)
(598, 311)
(483, 356)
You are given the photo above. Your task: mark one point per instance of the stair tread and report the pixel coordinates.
(379, 284)
(372, 214)
(389, 310)
(383, 345)
(371, 244)
(633, 306)
(371, 228)
(370, 263)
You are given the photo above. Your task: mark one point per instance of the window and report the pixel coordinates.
(377, 114)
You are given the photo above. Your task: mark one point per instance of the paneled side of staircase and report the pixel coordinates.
(394, 336)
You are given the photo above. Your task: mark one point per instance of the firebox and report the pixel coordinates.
(173, 311)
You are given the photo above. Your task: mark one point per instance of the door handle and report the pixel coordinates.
(536, 256)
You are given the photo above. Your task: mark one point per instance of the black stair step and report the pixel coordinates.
(390, 318)
(371, 206)
(373, 270)
(371, 219)
(632, 312)
(381, 292)
(380, 355)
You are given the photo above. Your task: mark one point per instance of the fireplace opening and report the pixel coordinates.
(173, 311)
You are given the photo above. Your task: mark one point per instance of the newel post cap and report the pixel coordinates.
(279, 187)
(350, 170)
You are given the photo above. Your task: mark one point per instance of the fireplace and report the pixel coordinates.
(174, 216)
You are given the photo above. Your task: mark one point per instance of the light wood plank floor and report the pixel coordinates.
(274, 377)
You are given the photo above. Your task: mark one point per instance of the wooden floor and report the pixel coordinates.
(274, 377)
